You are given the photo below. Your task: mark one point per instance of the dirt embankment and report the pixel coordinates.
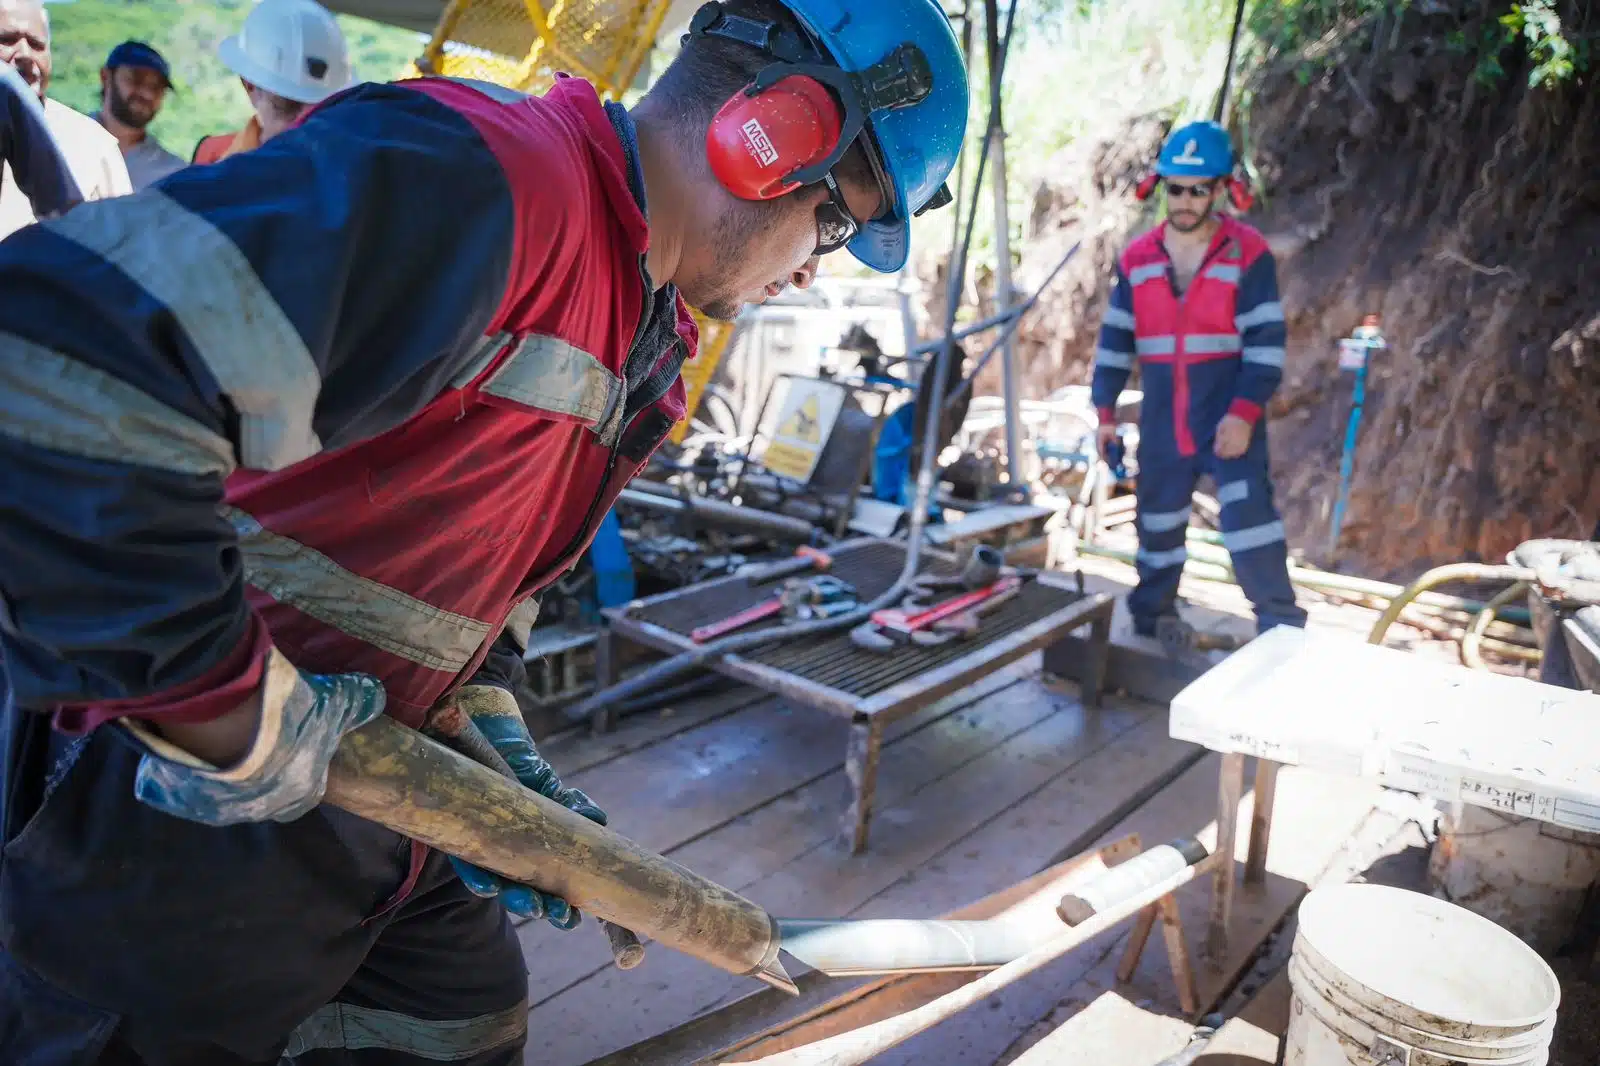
(1400, 180)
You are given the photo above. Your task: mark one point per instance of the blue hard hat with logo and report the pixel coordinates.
(914, 105)
(1196, 150)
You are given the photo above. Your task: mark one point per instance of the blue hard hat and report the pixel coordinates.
(916, 143)
(139, 54)
(1196, 150)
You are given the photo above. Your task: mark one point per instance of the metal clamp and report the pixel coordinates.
(1386, 1052)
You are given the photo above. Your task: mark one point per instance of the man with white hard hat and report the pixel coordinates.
(290, 54)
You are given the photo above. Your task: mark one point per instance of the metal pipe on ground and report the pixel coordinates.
(1318, 579)
(648, 496)
(863, 1044)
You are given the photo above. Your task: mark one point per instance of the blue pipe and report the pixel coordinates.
(1347, 462)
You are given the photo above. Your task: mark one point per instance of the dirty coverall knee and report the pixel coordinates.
(133, 938)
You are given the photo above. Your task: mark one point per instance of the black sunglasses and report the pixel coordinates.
(836, 226)
(1199, 190)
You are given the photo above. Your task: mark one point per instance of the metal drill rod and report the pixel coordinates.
(399, 778)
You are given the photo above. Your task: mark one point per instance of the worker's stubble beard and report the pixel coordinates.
(122, 110)
(1192, 222)
(736, 233)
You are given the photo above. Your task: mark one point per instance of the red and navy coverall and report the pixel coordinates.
(1214, 350)
(359, 395)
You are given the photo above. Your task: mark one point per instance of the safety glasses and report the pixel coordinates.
(836, 226)
(1199, 190)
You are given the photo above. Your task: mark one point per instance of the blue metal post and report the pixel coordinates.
(1369, 339)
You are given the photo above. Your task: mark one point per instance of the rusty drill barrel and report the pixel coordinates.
(395, 776)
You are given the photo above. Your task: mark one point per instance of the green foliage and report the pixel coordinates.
(1296, 26)
(187, 33)
(1553, 56)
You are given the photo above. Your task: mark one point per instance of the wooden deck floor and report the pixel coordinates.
(975, 793)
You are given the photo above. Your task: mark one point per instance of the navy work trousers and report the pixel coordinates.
(1252, 532)
(132, 938)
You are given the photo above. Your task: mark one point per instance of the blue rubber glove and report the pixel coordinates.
(494, 711)
(303, 718)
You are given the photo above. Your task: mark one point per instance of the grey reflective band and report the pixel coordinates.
(1164, 521)
(1264, 356)
(549, 374)
(385, 617)
(1117, 318)
(1243, 540)
(1223, 272)
(1162, 560)
(1233, 492)
(1163, 345)
(1148, 272)
(351, 1028)
(1260, 315)
(1114, 360)
(482, 355)
(51, 401)
(1211, 343)
(233, 321)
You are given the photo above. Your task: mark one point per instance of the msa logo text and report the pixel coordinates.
(755, 139)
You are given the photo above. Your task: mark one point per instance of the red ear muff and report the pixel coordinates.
(1239, 194)
(756, 142)
(1146, 186)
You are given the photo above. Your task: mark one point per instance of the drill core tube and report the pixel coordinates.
(395, 776)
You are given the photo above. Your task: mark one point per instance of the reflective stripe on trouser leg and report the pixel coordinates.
(1253, 534)
(1165, 489)
(402, 1038)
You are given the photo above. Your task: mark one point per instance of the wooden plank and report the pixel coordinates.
(825, 882)
(1315, 815)
(1110, 1031)
(557, 960)
(574, 750)
(752, 845)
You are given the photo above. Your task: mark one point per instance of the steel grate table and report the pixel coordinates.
(828, 672)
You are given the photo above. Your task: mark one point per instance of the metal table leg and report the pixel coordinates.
(1099, 655)
(861, 767)
(1255, 864)
(605, 675)
(1230, 787)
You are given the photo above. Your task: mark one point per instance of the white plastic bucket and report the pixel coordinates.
(1385, 977)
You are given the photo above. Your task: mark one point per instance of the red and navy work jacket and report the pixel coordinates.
(358, 394)
(1214, 350)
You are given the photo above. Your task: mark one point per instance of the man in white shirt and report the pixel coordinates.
(92, 154)
(133, 85)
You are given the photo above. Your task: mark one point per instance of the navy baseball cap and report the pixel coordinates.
(139, 54)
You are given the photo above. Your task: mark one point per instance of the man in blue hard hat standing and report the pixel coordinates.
(1195, 304)
(298, 439)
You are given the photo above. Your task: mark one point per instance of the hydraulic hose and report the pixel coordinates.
(1473, 638)
(655, 675)
(1443, 575)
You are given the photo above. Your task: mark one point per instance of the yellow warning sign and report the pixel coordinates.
(804, 423)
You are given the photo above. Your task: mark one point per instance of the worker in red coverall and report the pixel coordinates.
(1195, 305)
(296, 439)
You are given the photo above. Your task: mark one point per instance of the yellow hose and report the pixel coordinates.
(1473, 637)
(1443, 575)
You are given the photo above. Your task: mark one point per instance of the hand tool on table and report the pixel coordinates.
(814, 597)
(896, 626)
(401, 778)
(805, 558)
(451, 726)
